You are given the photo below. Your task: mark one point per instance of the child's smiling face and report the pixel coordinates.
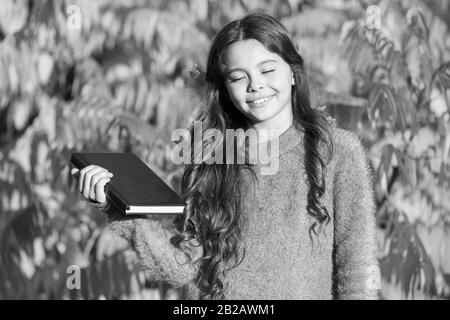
(259, 83)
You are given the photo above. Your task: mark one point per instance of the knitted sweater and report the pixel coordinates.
(281, 262)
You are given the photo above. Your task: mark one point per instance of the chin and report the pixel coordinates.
(259, 119)
(264, 115)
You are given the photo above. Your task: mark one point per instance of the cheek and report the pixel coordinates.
(282, 83)
(236, 94)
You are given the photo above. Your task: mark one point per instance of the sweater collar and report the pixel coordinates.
(288, 139)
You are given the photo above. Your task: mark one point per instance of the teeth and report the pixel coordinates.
(260, 101)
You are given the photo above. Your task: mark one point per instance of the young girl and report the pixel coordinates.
(305, 232)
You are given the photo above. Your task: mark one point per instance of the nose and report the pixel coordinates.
(255, 84)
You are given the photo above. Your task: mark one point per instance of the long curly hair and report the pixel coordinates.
(213, 215)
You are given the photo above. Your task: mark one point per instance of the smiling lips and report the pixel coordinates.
(260, 101)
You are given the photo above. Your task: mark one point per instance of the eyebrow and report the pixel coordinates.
(259, 64)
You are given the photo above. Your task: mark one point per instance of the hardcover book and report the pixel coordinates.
(135, 188)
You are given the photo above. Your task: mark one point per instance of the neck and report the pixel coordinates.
(274, 127)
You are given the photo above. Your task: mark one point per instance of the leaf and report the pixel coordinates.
(407, 167)
(412, 172)
(422, 142)
(386, 105)
(441, 82)
(108, 245)
(140, 24)
(416, 21)
(386, 156)
(436, 240)
(438, 103)
(27, 265)
(416, 52)
(139, 130)
(20, 113)
(407, 261)
(38, 157)
(94, 281)
(47, 119)
(45, 67)
(118, 276)
(141, 96)
(442, 175)
(85, 281)
(199, 8)
(13, 16)
(398, 70)
(383, 183)
(14, 80)
(105, 279)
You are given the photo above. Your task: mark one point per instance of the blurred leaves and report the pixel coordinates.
(401, 68)
(406, 261)
(124, 74)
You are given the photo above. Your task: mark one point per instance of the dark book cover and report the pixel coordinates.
(135, 188)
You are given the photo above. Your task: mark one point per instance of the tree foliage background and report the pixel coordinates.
(80, 75)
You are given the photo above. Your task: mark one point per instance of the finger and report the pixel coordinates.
(82, 176)
(74, 171)
(83, 173)
(100, 195)
(87, 180)
(94, 180)
(86, 190)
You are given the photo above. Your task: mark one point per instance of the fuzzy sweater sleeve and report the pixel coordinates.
(356, 271)
(151, 240)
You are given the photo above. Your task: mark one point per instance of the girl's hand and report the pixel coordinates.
(92, 181)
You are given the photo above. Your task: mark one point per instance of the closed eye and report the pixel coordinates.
(236, 79)
(268, 71)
